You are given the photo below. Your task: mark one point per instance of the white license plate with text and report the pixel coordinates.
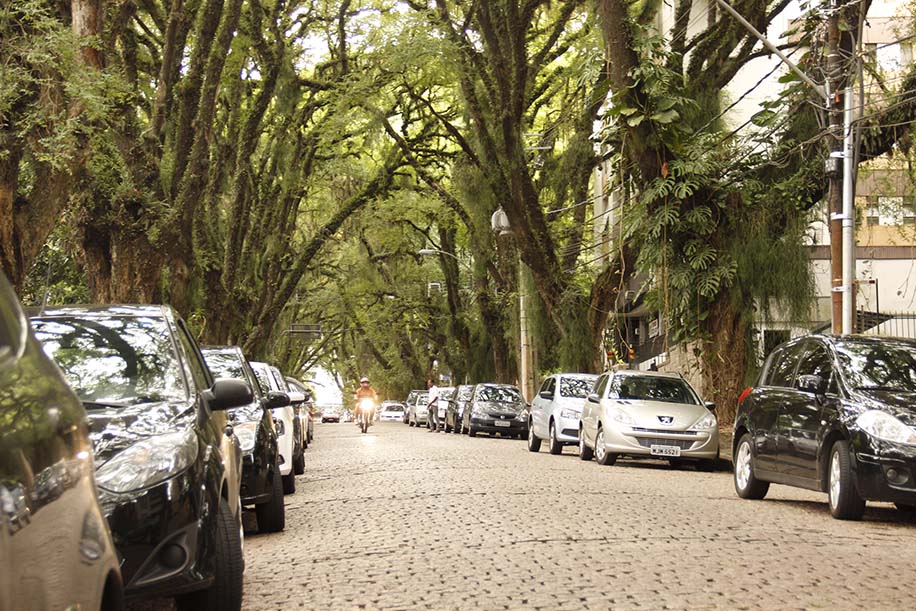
(502, 423)
(665, 450)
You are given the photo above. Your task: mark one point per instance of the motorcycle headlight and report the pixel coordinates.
(247, 432)
(706, 423)
(884, 426)
(148, 462)
(623, 418)
(570, 413)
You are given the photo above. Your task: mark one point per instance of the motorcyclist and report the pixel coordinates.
(365, 391)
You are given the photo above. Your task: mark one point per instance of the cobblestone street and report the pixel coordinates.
(405, 519)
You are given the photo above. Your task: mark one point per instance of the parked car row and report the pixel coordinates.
(136, 453)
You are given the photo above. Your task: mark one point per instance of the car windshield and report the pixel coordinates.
(879, 365)
(394, 408)
(224, 364)
(114, 361)
(652, 388)
(464, 392)
(499, 394)
(422, 398)
(446, 393)
(576, 387)
(263, 377)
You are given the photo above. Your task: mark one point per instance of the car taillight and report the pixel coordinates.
(744, 395)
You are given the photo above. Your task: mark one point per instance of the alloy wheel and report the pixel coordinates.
(600, 450)
(835, 485)
(743, 465)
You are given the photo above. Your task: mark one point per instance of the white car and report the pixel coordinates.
(284, 422)
(648, 414)
(445, 394)
(416, 411)
(391, 410)
(556, 409)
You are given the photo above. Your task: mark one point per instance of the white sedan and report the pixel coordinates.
(648, 414)
(391, 410)
(556, 409)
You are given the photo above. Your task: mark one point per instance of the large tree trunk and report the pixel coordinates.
(725, 357)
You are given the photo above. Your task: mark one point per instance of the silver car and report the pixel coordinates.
(416, 411)
(658, 415)
(556, 409)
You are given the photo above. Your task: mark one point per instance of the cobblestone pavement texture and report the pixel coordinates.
(404, 519)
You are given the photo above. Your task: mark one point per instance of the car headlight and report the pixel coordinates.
(623, 418)
(149, 462)
(706, 423)
(478, 411)
(247, 432)
(570, 413)
(521, 416)
(884, 426)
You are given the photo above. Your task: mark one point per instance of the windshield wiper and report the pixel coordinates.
(886, 388)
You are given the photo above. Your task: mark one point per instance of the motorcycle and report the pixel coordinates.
(364, 410)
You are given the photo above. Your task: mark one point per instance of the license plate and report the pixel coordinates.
(665, 450)
(502, 423)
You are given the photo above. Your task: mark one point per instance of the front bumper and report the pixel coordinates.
(567, 429)
(637, 441)
(885, 472)
(489, 425)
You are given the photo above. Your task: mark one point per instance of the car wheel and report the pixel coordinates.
(845, 502)
(746, 484)
(553, 445)
(298, 467)
(585, 452)
(225, 594)
(905, 508)
(289, 483)
(602, 456)
(471, 431)
(534, 442)
(272, 514)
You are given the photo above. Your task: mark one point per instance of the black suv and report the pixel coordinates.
(254, 426)
(55, 548)
(168, 463)
(833, 414)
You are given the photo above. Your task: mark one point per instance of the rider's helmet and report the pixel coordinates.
(364, 380)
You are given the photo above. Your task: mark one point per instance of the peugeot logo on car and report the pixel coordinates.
(666, 419)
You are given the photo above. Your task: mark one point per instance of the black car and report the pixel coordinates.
(496, 408)
(168, 463)
(55, 548)
(833, 414)
(454, 416)
(254, 426)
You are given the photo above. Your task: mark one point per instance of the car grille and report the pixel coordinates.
(639, 429)
(501, 416)
(646, 442)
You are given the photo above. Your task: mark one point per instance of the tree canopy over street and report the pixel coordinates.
(260, 163)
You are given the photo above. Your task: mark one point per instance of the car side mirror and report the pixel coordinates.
(545, 394)
(710, 406)
(812, 383)
(227, 393)
(275, 398)
(593, 398)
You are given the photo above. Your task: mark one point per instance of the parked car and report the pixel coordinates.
(441, 407)
(496, 408)
(410, 400)
(284, 420)
(454, 414)
(308, 408)
(418, 413)
(262, 486)
(300, 424)
(556, 410)
(330, 415)
(832, 414)
(55, 548)
(391, 410)
(168, 463)
(648, 414)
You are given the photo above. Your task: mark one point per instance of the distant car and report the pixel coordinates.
(418, 413)
(308, 408)
(330, 415)
(556, 409)
(648, 414)
(496, 408)
(55, 547)
(253, 424)
(437, 418)
(300, 423)
(454, 414)
(832, 414)
(168, 463)
(391, 410)
(411, 398)
(284, 420)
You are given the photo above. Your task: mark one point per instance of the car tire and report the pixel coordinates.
(905, 508)
(272, 514)
(225, 594)
(553, 445)
(298, 467)
(746, 483)
(534, 442)
(471, 431)
(845, 502)
(289, 483)
(602, 456)
(585, 452)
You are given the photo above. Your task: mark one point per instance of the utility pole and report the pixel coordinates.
(834, 168)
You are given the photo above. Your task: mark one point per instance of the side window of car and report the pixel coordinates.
(816, 362)
(782, 370)
(601, 386)
(196, 364)
(545, 387)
